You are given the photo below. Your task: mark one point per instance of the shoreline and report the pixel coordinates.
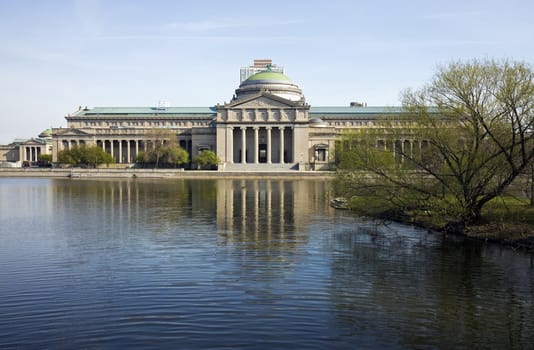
(513, 236)
(113, 173)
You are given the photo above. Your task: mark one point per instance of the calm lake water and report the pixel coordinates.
(235, 264)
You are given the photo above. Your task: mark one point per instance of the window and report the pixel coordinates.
(321, 153)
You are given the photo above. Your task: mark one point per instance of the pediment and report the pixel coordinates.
(71, 132)
(263, 100)
(32, 142)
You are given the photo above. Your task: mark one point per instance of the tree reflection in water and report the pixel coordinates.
(439, 292)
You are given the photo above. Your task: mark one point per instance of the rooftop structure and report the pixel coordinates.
(258, 66)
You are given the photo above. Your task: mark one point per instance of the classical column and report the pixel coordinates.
(128, 151)
(268, 145)
(281, 145)
(256, 145)
(291, 150)
(111, 148)
(230, 145)
(243, 144)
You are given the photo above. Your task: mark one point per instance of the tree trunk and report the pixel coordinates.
(473, 214)
(532, 187)
(531, 183)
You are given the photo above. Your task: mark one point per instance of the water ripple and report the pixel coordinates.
(154, 265)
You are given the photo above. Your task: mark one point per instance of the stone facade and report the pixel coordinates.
(262, 129)
(266, 126)
(25, 152)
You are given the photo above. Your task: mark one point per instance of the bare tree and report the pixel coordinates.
(157, 140)
(162, 149)
(474, 122)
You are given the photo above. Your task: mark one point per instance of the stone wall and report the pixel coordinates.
(76, 173)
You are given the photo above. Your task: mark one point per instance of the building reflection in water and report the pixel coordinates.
(267, 212)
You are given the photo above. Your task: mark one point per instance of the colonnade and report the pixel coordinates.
(123, 151)
(401, 148)
(126, 151)
(404, 148)
(261, 144)
(31, 153)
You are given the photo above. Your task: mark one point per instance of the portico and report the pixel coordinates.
(265, 123)
(262, 144)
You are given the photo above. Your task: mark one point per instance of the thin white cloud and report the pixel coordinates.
(421, 44)
(212, 25)
(209, 30)
(234, 38)
(23, 52)
(196, 26)
(448, 16)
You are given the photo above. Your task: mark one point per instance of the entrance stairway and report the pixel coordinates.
(251, 167)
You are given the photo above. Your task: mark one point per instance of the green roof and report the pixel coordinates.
(203, 112)
(268, 75)
(145, 110)
(355, 110)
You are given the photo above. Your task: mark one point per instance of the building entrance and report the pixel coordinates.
(262, 153)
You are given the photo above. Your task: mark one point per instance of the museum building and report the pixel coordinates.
(267, 125)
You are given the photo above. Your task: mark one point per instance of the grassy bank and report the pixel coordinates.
(507, 220)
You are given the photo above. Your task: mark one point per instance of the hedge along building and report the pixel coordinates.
(266, 126)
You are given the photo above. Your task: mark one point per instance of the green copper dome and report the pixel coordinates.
(267, 81)
(268, 75)
(46, 133)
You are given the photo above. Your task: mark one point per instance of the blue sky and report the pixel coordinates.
(57, 55)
